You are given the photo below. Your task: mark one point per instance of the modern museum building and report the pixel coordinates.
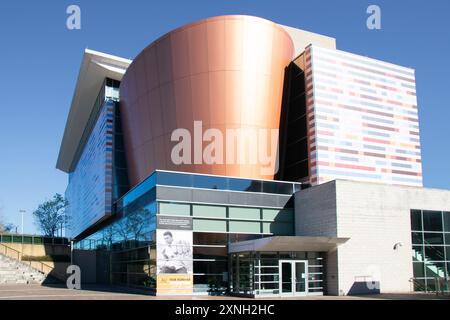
(238, 156)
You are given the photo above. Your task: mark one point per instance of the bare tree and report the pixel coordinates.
(132, 226)
(5, 227)
(50, 216)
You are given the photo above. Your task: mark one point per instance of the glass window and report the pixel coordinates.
(269, 263)
(177, 209)
(213, 284)
(419, 285)
(286, 255)
(317, 285)
(269, 187)
(210, 225)
(447, 239)
(239, 184)
(217, 253)
(236, 237)
(270, 270)
(416, 220)
(277, 187)
(209, 211)
(138, 191)
(417, 253)
(245, 226)
(300, 255)
(297, 187)
(433, 238)
(201, 238)
(314, 255)
(174, 179)
(419, 269)
(210, 182)
(417, 238)
(435, 269)
(269, 277)
(278, 228)
(431, 285)
(208, 267)
(434, 253)
(283, 215)
(244, 213)
(432, 220)
(446, 221)
(245, 185)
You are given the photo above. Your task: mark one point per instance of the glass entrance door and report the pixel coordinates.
(301, 278)
(286, 277)
(293, 277)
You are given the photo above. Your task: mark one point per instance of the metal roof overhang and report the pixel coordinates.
(96, 66)
(287, 243)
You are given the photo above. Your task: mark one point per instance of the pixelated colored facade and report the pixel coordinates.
(362, 119)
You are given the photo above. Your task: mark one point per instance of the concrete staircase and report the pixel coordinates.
(15, 272)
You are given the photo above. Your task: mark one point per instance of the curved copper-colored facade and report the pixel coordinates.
(225, 71)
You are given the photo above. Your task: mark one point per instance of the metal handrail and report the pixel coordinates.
(19, 255)
(428, 261)
(431, 246)
(414, 282)
(441, 285)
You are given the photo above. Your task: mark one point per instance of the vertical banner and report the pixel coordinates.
(174, 255)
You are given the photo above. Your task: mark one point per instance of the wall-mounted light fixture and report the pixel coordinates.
(398, 245)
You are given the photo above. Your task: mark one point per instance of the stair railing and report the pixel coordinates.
(416, 285)
(41, 266)
(426, 259)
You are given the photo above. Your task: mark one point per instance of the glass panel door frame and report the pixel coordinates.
(293, 280)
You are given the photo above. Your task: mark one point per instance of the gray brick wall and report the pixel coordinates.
(375, 217)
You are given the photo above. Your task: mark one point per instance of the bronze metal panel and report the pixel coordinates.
(216, 45)
(217, 99)
(141, 78)
(163, 59)
(168, 107)
(200, 98)
(151, 71)
(225, 71)
(180, 54)
(156, 116)
(198, 49)
(143, 119)
(183, 103)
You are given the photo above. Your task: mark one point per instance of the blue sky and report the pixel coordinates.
(40, 59)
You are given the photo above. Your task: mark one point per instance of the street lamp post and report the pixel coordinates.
(22, 212)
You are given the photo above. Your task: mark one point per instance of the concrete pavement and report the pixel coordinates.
(38, 292)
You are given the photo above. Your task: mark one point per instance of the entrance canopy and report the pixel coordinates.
(288, 243)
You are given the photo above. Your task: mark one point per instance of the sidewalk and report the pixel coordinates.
(38, 292)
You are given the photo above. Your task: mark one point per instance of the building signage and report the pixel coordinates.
(174, 239)
(174, 223)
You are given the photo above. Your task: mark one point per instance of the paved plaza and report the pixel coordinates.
(38, 292)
